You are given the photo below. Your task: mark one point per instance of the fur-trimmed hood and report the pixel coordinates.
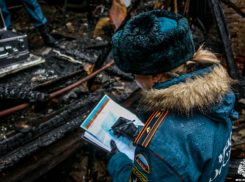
(201, 90)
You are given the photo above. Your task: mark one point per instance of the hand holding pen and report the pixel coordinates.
(125, 127)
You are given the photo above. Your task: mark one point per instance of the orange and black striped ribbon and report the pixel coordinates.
(150, 128)
(145, 126)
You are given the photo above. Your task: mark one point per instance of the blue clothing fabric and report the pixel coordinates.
(33, 9)
(153, 39)
(167, 24)
(193, 148)
(120, 166)
(6, 15)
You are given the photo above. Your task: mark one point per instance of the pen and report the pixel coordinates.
(124, 124)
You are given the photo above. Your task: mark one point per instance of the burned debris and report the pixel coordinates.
(16, 93)
(32, 128)
(49, 98)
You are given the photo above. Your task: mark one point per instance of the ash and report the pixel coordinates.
(29, 130)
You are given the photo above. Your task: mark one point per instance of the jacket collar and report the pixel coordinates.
(182, 78)
(200, 90)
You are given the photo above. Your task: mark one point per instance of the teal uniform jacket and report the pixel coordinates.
(175, 146)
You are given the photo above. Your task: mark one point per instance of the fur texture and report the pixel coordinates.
(142, 48)
(199, 92)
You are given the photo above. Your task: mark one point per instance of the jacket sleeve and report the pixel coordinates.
(120, 167)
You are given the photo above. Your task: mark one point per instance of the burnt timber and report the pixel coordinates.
(65, 103)
(49, 119)
(47, 158)
(224, 33)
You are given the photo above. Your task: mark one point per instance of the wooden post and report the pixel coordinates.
(175, 6)
(187, 5)
(31, 168)
(224, 34)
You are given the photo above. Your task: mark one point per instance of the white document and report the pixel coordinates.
(100, 121)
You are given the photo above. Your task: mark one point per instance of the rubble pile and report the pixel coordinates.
(26, 131)
(17, 93)
(86, 36)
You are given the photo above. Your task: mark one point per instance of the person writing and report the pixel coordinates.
(186, 105)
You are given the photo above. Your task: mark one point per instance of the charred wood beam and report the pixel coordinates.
(64, 9)
(14, 156)
(116, 71)
(57, 93)
(201, 24)
(102, 57)
(167, 4)
(162, 4)
(126, 96)
(175, 6)
(61, 91)
(197, 21)
(18, 93)
(224, 34)
(76, 53)
(41, 162)
(146, 6)
(99, 62)
(97, 46)
(51, 82)
(238, 143)
(231, 4)
(91, 163)
(187, 5)
(52, 115)
(31, 133)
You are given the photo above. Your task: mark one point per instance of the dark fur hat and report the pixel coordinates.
(143, 48)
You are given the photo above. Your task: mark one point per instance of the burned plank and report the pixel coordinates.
(43, 119)
(58, 83)
(116, 71)
(187, 6)
(17, 93)
(14, 156)
(175, 6)
(148, 5)
(224, 34)
(51, 69)
(231, 4)
(33, 132)
(80, 55)
(33, 167)
(52, 95)
(57, 93)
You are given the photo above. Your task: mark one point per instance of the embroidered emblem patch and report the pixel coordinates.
(137, 176)
(140, 159)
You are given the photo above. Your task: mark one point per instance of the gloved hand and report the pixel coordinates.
(128, 130)
(114, 150)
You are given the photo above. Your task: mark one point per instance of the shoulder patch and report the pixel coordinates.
(150, 127)
(137, 176)
(140, 159)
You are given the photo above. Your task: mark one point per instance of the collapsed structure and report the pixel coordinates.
(51, 94)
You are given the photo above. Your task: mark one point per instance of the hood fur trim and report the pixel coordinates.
(199, 92)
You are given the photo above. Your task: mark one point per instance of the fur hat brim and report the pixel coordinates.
(142, 48)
